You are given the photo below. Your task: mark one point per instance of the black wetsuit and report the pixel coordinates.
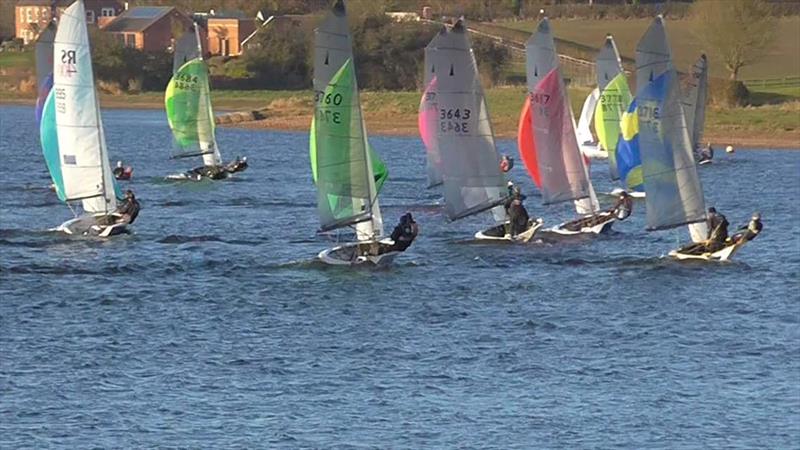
(403, 235)
(749, 232)
(622, 208)
(131, 208)
(718, 231)
(118, 171)
(517, 217)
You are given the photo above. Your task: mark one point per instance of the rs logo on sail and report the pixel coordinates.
(68, 61)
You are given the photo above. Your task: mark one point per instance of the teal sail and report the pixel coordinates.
(49, 138)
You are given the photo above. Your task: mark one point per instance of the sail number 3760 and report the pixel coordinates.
(454, 120)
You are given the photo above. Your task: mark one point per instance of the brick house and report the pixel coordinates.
(226, 31)
(150, 28)
(32, 16)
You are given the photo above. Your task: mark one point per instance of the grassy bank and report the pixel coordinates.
(780, 60)
(770, 125)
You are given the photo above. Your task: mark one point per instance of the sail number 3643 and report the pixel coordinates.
(454, 120)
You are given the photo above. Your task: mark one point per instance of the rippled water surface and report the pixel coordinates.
(212, 325)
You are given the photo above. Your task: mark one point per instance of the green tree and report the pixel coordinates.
(738, 31)
(279, 57)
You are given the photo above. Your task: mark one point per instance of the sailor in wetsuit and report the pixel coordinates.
(129, 208)
(237, 165)
(706, 153)
(623, 207)
(517, 214)
(506, 163)
(404, 233)
(749, 232)
(717, 230)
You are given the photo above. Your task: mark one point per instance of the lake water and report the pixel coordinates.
(212, 325)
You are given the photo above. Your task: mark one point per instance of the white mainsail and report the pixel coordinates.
(188, 102)
(470, 164)
(584, 128)
(563, 174)
(333, 50)
(674, 194)
(83, 155)
(694, 101)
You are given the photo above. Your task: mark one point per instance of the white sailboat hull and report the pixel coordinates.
(359, 254)
(602, 226)
(92, 225)
(493, 234)
(725, 254)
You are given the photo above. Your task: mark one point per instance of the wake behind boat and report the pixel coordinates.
(72, 136)
(190, 115)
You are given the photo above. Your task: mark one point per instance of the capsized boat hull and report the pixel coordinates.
(603, 224)
(724, 254)
(100, 225)
(367, 253)
(497, 233)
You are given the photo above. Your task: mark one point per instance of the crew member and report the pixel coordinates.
(129, 208)
(404, 233)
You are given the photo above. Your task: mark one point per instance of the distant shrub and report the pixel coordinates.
(728, 93)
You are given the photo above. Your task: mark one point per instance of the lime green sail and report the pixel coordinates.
(614, 101)
(347, 185)
(188, 104)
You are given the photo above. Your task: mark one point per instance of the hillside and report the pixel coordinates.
(780, 61)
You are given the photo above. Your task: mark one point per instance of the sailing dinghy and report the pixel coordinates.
(348, 174)
(472, 180)
(548, 142)
(429, 115)
(694, 101)
(190, 115)
(674, 194)
(586, 141)
(71, 131)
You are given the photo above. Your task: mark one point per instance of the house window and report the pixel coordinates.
(90, 16)
(130, 40)
(29, 12)
(45, 13)
(107, 12)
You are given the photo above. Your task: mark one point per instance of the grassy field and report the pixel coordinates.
(395, 113)
(781, 60)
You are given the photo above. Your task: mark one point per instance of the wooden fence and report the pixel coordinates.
(773, 82)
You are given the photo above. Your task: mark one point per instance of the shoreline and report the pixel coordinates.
(405, 123)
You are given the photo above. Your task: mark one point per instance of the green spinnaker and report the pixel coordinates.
(614, 101)
(188, 104)
(337, 147)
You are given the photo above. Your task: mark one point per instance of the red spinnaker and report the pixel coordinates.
(526, 144)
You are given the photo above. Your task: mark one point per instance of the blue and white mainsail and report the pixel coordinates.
(674, 194)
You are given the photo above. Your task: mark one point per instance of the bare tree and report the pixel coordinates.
(737, 31)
